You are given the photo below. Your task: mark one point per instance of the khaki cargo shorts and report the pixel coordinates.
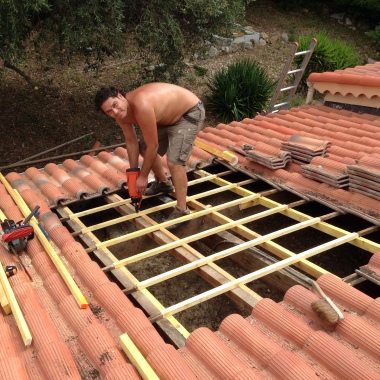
(177, 140)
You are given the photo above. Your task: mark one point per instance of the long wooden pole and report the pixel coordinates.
(16, 311)
(73, 287)
(189, 239)
(125, 201)
(150, 210)
(253, 276)
(227, 252)
(157, 227)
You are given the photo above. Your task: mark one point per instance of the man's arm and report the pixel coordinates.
(131, 143)
(146, 119)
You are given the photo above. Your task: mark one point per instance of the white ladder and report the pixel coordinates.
(273, 107)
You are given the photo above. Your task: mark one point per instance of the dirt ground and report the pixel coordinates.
(61, 109)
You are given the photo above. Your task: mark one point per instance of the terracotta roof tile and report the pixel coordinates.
(359, 85)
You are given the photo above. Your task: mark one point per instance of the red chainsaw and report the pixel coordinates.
(16, 235)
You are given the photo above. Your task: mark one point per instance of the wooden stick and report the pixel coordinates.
(19, 317)
(253, 276)
(230, 251)
(192, 238)
(150, 210)
(4, 301)
(125, 201)
(153, 228)
(137, 359)
(73, 287)
(327, 299)
(225, 155)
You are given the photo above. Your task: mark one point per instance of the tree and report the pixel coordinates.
(16, 22)
(169, 28)
(95, 29)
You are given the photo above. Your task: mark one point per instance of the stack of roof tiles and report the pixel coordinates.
(328, 171)
(303, 149)
(365, 176)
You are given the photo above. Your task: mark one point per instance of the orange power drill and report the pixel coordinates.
(132, 175)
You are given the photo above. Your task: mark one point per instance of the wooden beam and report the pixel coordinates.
(16, 311)
(156, 227)
(149, 210)
(325, 227)
(242, 296)
(69, 281)
(224, 155)
(4, 301)
(137, 359)
(225, 253)
(126, 201)
(253, 276)
(189, 239)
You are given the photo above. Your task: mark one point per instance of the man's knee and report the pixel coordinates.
(173, 166)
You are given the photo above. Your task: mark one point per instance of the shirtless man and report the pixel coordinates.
(170, 118)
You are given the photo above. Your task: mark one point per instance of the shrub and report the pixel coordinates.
(329, 55)
(240, 91)
(374, 36)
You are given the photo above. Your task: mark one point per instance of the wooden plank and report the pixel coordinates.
(4, 301)
(325, 227)
(255, 275)
(279, 251)
(122, 202)
(16, 311)
(150, 210)
(137, 359)
(69, 281)
(224, 155)
(225, 253)
(156, 227)
(171, 327)
(243, 296)
(252, 259)
(195, 237)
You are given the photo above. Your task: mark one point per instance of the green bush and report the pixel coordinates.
(374, 36)
(240, 91)
(329, 55)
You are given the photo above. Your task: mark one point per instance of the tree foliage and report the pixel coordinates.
(164, 29)
(16, 22)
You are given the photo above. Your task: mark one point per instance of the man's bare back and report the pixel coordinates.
(168, 101)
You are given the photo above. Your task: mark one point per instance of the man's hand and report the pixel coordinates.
(141, 184)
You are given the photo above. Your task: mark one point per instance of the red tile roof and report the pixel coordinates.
(358, 85)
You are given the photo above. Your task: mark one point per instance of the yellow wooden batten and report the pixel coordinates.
(16, 311)
(69, 281)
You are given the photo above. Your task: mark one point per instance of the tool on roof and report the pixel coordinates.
(246, 147)
(136, 198)
(325, 308)
(15, 236)
(10, 270)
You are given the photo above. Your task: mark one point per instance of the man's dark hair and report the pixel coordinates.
(104, 93)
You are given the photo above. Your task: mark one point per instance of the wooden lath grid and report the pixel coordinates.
(235, 288)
